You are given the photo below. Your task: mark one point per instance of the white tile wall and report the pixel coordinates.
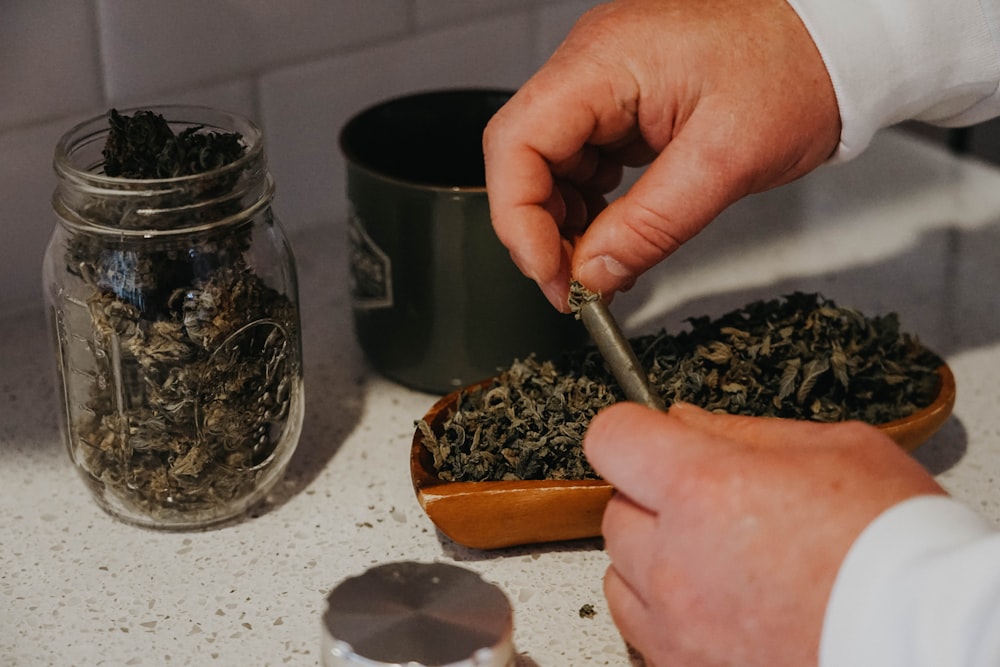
(554, 22)
(435, 12)
(49, 64)
(299, 67)
(304, 107)
(149, 46)
(25, 211)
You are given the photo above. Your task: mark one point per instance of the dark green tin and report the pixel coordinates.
(437, 302)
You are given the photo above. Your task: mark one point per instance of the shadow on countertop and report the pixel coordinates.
(334, 366)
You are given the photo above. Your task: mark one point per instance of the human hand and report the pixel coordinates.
(726, 533)
(725, 99)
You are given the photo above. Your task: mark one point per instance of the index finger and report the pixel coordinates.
(646, 454)
(653, 456)
(548, 122)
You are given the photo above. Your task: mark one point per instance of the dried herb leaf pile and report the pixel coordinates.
(800, 356)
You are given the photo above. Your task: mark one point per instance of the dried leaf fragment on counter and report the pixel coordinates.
(800, 356)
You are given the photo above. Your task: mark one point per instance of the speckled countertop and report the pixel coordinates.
(906, 228)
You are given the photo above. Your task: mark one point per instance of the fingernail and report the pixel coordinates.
(603, 273)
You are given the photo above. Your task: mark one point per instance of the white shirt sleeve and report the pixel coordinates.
(919, 588)
(892, 60)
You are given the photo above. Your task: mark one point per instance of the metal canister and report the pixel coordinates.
(437, 302)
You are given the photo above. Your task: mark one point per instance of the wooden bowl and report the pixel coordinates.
(490, 515)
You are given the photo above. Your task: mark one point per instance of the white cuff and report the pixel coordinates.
(894, 60)
(920, 587)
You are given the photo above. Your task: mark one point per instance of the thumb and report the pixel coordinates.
(686, 187)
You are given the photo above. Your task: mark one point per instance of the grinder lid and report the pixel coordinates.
(418, 614)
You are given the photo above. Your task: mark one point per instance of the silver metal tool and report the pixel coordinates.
(618, 353)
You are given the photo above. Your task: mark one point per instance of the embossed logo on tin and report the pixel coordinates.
(370, 270)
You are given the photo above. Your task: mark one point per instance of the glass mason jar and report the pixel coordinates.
(174, 307)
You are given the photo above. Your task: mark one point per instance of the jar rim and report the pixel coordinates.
(96, 128)
(160, 206)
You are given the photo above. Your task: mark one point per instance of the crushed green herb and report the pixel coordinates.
(797, 357)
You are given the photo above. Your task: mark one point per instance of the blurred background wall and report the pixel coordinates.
(299, 68)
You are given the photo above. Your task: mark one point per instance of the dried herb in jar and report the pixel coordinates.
(144, 146)
(798, 357)
(202, 353)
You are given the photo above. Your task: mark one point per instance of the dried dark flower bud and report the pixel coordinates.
(144, 146)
